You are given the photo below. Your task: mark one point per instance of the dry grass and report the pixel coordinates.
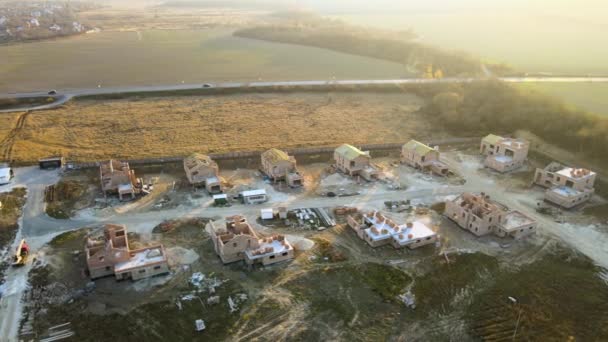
(88, 130)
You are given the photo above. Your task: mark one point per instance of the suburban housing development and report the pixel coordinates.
(201, 170)
(424, 157)
(109, 254)
(237, 240)
(378, 230)
(118, 177)
(504, 154)
(354, 162)
(567, 186)
(278, 165)
(480, 215)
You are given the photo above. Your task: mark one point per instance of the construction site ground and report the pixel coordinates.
(338, 285)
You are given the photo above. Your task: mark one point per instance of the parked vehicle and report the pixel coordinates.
(6, 174)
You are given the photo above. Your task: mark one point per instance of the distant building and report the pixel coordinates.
(378, 230)
(278, 165)
(567, 187)
(481, 216)
(504, 154)
(117, 177)
(239, 241)
(354, 162)
(34, 22)
(201, 170)
(109, 254)
(421, 156)
(55, 28)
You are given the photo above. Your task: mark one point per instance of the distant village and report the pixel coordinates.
(24, 20)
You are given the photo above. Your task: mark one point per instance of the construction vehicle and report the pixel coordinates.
(21, 254)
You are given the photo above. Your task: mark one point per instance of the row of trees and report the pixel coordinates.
(367, 43)
(494, 106)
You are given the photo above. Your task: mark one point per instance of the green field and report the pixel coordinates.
(170, 57)
(591, 97)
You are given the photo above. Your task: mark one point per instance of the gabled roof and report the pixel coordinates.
(350, 152)
(275, 155)
(196, 160)
(492, 139)
(418, 147)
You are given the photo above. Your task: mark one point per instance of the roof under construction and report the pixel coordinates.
(196, 160)
(350, 152)
(492, 139)
(418, 147)
(275, 155)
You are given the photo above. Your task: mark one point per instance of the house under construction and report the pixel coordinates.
(201, 170)
(378, 230)
(109, 254)
(423, 157)
(354, 162)
(567, 186)
(278, 165)
(480, 215)
(504, 154)
(237, 240)
(117, 177)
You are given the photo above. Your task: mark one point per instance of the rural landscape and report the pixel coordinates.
(263, 170)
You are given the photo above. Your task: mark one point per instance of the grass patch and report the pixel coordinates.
(20, 102)
(436, 289)
(560, 297)
(362, 297)
(12, 207)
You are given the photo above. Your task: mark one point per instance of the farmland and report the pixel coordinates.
(585, 96)
(160, 127)
(154, 57)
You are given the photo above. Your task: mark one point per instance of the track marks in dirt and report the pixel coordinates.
(6, 145)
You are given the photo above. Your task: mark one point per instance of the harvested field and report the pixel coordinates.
(160, 127)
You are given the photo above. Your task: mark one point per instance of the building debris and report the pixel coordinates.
(200, 325)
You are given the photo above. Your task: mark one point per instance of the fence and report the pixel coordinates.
(292, 151)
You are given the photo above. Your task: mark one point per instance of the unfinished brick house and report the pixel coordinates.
(109, 254)
(201, 170)
(504, 154)
(278, 165)
(567, 187)
(423, 157)
(481, 216)
(354, 162)
(117, 177)
(378, 230)
(239, 241)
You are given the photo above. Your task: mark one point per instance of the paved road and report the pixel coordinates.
(68, 94)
